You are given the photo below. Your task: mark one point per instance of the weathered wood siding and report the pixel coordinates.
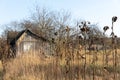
(27, 43)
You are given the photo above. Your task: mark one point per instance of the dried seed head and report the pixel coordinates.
(56, 33)
(105, 28)
(79, 26)
(80, 37)
(63, 42)
(105, 67)
(53, 40)
(115, 36)
(67, 71)
(114, 18)
(82, 22)
(84, 29)
(88, 22)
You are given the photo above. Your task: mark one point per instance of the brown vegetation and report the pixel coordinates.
(85, 53)
(36, 67)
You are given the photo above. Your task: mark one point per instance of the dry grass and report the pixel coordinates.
(37, 67)
(26, 67)
(1, 71)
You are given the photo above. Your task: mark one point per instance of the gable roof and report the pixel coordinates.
(13, 41)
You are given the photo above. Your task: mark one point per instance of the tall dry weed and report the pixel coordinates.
(27, 67)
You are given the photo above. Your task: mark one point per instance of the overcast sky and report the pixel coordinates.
(96, 11)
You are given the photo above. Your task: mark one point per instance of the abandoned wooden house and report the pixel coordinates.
(28, 42)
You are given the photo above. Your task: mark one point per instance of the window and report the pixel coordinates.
(27, 46)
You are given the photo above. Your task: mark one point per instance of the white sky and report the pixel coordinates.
(95, 11)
